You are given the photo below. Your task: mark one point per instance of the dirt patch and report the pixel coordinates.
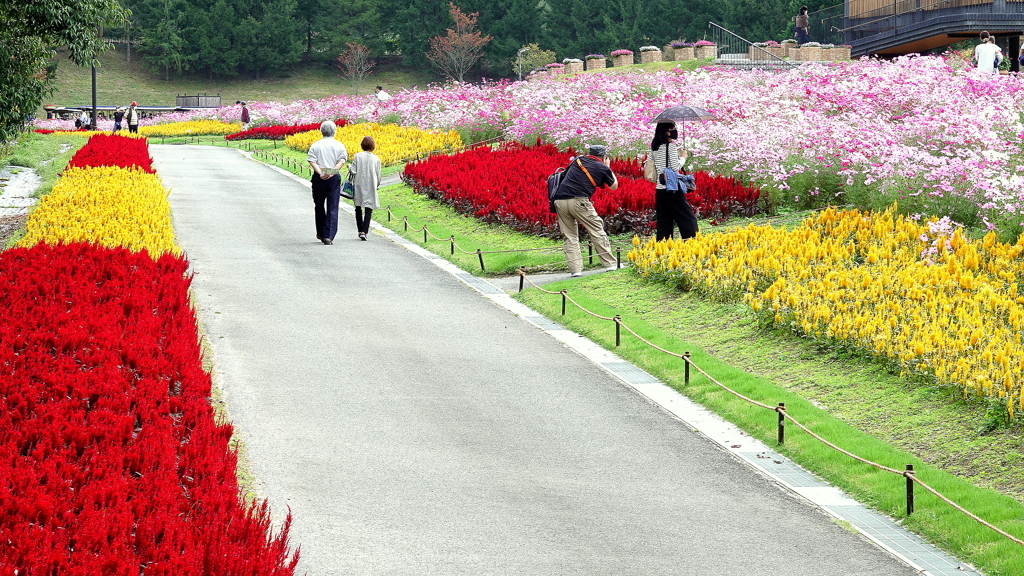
(9, 226)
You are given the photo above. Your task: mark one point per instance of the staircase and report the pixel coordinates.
(735, 51)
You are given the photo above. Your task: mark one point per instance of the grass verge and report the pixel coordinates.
(853, 385)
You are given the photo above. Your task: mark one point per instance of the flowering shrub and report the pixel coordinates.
(554, 65)
(394, 143)
(507, 185)
(112, 460)
(190, 128)
(859, 280)
(650, 49)
(595, 57)
(107, 206)
(622, 52)
(700, 43)
(681, 44)
(278, 132)
(572, 61)
(113, 150)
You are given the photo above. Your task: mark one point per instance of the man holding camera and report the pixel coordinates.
(572, 203)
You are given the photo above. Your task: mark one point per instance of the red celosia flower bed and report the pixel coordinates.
(507, 185)
(277, 132)
(113, 150)
(111, 461)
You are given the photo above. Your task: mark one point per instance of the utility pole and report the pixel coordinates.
(93, 127)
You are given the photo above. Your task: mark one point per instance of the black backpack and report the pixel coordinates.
(554, 182)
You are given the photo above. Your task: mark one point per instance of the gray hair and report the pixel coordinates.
(328, 128)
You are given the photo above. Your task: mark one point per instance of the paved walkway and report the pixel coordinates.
(414, 427)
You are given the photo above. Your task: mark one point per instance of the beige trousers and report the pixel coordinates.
(571, 213)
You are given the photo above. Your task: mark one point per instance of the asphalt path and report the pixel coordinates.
(413, 427)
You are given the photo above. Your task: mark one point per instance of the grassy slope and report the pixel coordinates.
(118, 82)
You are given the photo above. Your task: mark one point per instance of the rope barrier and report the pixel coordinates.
(909, 473)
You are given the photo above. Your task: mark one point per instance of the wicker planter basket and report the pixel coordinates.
(574, 67)
(597, 63)
(702, 52)
(684, 53)
(622, 60)
(648, 56)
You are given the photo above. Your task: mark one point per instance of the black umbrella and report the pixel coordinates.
(682, 114)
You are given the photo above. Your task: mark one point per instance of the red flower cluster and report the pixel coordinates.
(507, 185)
(113, 150)
(278, 132)
(111, 459)
(43, 131)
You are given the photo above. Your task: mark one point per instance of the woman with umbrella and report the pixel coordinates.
(670, 203)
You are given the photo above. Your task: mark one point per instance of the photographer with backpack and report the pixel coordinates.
(572, 204)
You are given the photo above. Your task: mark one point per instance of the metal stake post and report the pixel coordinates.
(782, 423)
(618, 330)
(480, 255)
(686, 371)
(910, 488)
(563, 302)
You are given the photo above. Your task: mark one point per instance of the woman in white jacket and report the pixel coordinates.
(364, 171)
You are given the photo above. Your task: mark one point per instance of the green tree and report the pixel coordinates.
(533, 56)
(277, 40)
(163, 45)
(30, 33)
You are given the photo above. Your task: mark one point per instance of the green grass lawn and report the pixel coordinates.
(120, 82)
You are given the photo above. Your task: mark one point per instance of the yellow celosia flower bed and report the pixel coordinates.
(394, 143)
(865, 280)
(190, 128)
(108, 206)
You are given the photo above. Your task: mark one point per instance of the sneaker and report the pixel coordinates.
(575, 274)
(362, 236)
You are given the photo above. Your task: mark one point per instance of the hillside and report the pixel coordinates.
(118, 82)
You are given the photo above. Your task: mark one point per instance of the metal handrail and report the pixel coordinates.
(750, 44)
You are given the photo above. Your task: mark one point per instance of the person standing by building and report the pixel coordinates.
(133, 119)
(326, 157)
(988, 55)
(670, 205)
(572, 204)
(802, 26)
(245, 116)
(364, 170)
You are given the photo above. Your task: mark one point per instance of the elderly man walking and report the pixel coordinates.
(326, 157)
(572, 203)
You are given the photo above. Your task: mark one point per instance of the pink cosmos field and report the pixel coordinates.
(922, 131)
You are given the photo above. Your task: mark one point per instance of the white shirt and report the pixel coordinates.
(383, 96)
(986, 54)
(327, 152)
